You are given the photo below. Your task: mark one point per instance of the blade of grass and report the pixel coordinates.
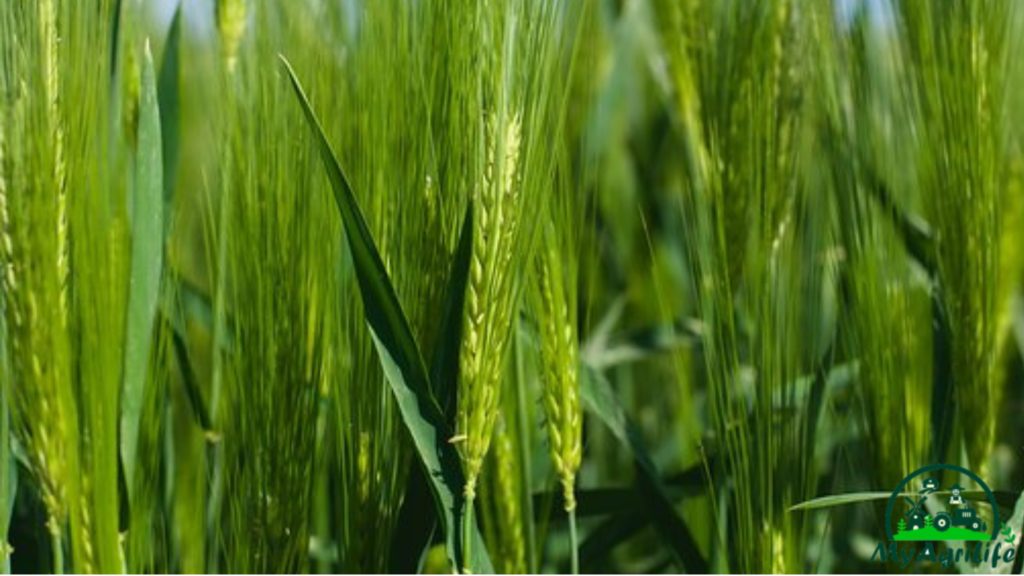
(188, 377)
(400, 356)
(600, 399)
(115, 37)
(944, 400)
(444, 369)
(146, 267)
(169, 94)
(417, 519)
(606, 537)
(418, 522)
(1016, 521)
(1004, 499)
(639, 345)
(195, 306)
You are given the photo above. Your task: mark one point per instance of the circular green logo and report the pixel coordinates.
(965, 517)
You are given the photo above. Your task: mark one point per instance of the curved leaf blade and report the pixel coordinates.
(1003, 498)
(444, 369)
(600, 399)
(400, 357)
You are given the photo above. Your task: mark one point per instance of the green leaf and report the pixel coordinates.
(814, 405)
(418, 522)
(115, 38)
(1016, 523)
(592, 501)
(606, 536)
(417, 519)
(944, 400)
(1003, 499)
(642, 344)
(599, 397)
(146, 266)
(598, 339)
(917, 236)
(169, 95)
(444, 369)
(842, 499)
(400, 357)
(195, 306)
(624, 500)
(188, 377)
(1018, 324)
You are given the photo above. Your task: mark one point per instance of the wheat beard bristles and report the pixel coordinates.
(489, 301)
(559, 357)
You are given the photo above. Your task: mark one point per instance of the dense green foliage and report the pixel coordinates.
(515, 285)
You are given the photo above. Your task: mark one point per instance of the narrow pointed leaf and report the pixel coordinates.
(1016, 525)
(146, 266)
(600, 400)
(444, 369)
(400, 357)
(169, 94)
(416, 518)
(188, 377)
(1003, 498)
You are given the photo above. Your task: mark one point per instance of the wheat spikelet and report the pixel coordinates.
(489, 300)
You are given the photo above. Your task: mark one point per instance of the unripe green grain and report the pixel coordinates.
(35, 270)
(559, 360)
(489, 300)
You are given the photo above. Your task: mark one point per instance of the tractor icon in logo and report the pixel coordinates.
(965, 516)
(959, 521)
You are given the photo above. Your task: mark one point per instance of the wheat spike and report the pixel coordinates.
(489, 299)
(559, 358)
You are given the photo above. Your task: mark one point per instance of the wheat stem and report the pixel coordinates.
(522, 428)
(574, 542)
(56, 545)
(467, 535)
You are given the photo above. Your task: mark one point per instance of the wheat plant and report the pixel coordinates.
(513, 286)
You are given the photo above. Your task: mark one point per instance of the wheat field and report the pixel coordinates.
(510, 286)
